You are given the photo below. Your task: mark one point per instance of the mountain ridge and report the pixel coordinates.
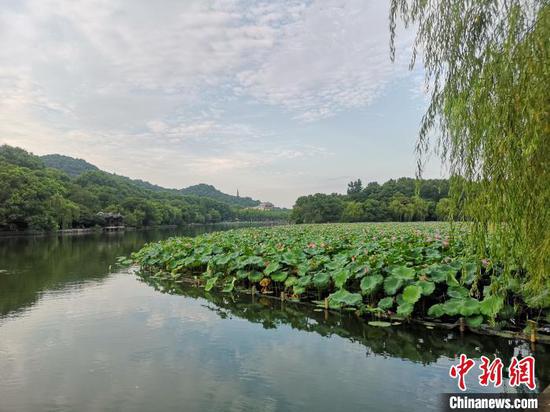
(35, 197)
(71, 165)
(75, 167)
(206, 190)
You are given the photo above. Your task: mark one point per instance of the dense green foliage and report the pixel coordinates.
(70, 165)
(210, 191)
(395, 269)
(487, 64)
(404, 199)
(32, 196)
(36, 197)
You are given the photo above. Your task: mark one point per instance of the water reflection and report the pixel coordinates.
(411, 342)
(76, 336)
(32, 264)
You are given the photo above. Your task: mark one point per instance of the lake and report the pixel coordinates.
(78, 334)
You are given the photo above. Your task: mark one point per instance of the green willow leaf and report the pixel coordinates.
(487, 64)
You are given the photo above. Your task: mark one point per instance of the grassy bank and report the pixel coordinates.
(388, 270)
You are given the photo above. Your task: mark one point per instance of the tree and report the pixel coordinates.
(401, 208)
(19, 157)
(355, 187)
(36, 197)
(420, 208)
(28, 197)
(353, 212)
(487, 66)
(64, 211)
(375, 211)
(318, 208)
(443, 209)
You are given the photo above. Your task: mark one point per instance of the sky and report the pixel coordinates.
(276, 99)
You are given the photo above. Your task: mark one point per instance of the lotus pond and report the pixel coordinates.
(391, 271)
(79, 334)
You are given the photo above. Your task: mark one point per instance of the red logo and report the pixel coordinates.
(520, 371)
(461, 370)
(491, 372)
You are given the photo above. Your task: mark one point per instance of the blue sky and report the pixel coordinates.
(276, 99)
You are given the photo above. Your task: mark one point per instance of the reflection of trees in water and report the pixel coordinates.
(34, 265)
(410, 342)
(30, 265)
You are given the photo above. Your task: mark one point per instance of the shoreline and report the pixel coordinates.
(101, 230)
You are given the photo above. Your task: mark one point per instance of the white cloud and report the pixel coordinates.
(314, 58)
(179, 89)
(333, 57)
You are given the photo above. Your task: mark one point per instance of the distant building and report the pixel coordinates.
(111, 219)
(265, 206)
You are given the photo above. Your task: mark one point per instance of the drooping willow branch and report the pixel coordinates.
(487, 65)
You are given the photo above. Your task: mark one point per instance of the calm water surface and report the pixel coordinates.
(78, 336)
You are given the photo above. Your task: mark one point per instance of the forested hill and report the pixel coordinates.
(213, 193)
(70, 165)
(75, 167)
(36, 197)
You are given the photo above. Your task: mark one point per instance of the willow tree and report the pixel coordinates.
(487, 71)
